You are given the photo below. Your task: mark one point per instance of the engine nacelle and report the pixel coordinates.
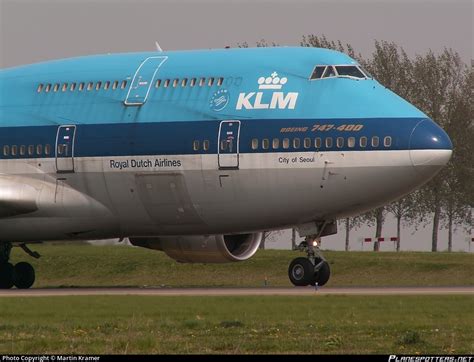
(204, 248)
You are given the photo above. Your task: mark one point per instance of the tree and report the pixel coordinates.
(376, 217)
(441, 82)
(457, 184)
(322, 42)
(403, 209)
(268, 235)
(293, 239)
(349, 224)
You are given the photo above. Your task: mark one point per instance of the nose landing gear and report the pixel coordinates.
(22, 275)
(313, 269)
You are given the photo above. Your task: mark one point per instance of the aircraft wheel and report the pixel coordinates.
(301, 271)
(24, 275)
(6, 275)
(322, 275)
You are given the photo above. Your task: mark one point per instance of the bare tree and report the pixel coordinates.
(268, 235)
(404, 210)
(349, 224)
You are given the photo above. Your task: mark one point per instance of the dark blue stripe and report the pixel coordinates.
(170, 138)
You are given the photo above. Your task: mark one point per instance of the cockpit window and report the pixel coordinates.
(367, 74)
(318, 72)
(339, 71)
(329, 72)
(349, 71)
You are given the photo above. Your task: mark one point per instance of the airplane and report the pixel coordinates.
(197, 153)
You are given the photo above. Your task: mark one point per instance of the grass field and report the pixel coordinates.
(311, 324)
(86, 265)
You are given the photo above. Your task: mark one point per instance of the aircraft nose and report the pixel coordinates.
(429, 145)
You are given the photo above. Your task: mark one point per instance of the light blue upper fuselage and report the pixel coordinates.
(20, 104)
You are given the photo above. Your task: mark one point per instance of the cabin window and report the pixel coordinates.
(196, 145)
(14, 150)
(184, 82)
(64, 87)
(210, 82)
(22, 150)
(167, 83)
(47, 149)
(89, 86)
(340, 142)
(40, 88)
(375, 141)
(351, 142)
(276, 143)
(205, 145)
(318, 72)
(56, 87)
(72, 87)
(307, 143)
(193, 82)
(363, 142)
(48, 88)
(175, 83)
(296, 143)
(328, 142)
(124, 84)
(254, 144)
(39, 150)
(317, 142)
(387, 141)
(115, 85)
(6, 150)
(81, 87)
(220, 81)
(202, 82)
(329, 72)
(286, 143)
(98, 85)
(107, 85)
(31, 150)
(158, 83)
(349, 71)
(265, 143)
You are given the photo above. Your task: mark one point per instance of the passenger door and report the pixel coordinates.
(228, 145)
(65, 139)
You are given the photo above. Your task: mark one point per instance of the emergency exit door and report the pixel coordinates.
(143, 80)
(228, 144)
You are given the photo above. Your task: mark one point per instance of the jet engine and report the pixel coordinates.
(204, 248)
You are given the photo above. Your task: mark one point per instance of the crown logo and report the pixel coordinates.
(272, 82)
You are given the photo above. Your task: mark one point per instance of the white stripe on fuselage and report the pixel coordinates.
(249, 161)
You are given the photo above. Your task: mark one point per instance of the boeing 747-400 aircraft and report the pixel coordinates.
(196, 153)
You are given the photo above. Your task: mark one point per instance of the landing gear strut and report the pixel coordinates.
(313, 269)
(22, 275)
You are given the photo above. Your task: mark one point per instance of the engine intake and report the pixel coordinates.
(204, 248)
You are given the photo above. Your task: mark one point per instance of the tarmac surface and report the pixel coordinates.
(269, 291)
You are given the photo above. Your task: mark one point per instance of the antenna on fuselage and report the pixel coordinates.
(158, 47)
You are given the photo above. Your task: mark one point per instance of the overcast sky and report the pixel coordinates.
(36, 30)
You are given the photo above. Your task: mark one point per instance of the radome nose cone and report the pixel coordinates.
(429, 145)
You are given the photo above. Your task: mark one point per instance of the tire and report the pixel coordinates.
(301, 272)
(6, 276)
(23, 275)
(322, 275)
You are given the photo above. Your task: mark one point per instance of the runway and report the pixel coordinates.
(264, 291)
